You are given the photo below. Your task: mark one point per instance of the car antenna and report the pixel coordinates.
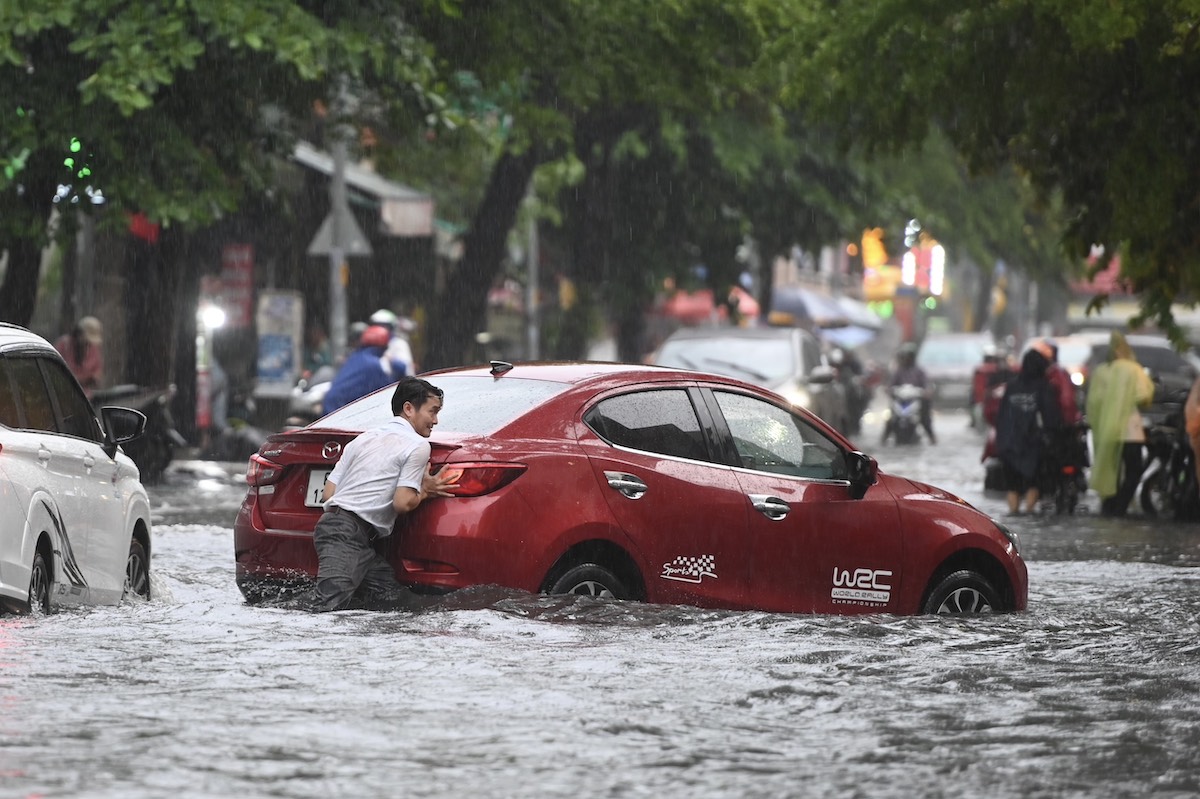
(500, 367)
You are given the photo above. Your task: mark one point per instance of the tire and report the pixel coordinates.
(40, 582)
(1157, 498)
(137, 571)
(963, 593)
(590, 579)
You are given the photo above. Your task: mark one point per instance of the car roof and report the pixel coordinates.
(775, 331)
(14, 338)
(571, 372)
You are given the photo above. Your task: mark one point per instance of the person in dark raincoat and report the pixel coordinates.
(1027, 418)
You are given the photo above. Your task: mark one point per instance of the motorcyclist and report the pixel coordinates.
(850, 374)
(399, 351)
(365, 370)
(908, 373)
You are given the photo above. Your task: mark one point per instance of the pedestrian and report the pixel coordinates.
(364, 370)
(1027, 419)
(1191, 416)
(1115, 391)
(81, 349)
(382, 473)
(1060, 380)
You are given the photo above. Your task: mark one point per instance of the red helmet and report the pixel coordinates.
(375, 336)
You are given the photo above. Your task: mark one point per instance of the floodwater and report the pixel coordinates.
(1095, 691)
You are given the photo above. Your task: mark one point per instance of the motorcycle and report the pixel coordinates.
(904, 414)
(307, 402)
(1064, 476)
(154, 449)
(1168, 488)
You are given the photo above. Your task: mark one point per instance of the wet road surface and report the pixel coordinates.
(1095, 691)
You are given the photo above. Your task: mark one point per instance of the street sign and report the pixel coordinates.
(353, 241)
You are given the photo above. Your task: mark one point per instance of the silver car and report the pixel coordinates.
(786, 360)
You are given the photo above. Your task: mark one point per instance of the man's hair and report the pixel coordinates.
(414, 390)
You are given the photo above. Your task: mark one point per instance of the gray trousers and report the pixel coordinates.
(349, 565)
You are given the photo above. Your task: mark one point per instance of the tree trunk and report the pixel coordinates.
(461, 310)
(30, 215)
(152, 290)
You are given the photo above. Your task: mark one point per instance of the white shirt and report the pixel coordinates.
(373, 466)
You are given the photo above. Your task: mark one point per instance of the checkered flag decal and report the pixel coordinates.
(690, 569)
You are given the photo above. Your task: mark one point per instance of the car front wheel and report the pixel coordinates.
(963, 593)
(39, 585)
(137, 571)
(590, 579)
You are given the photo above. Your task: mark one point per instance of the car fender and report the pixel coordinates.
(940, 528)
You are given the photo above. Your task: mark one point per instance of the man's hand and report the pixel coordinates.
(439, 485)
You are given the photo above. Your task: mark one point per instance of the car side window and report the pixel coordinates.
(9, 413)
(660, 421)
(33, 394)
(770, 439)
(78, 417)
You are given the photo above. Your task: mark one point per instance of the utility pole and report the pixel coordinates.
(338, 268)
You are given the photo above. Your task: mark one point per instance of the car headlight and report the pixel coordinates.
(1011, 535)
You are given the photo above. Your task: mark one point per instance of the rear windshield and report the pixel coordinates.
(474, 404)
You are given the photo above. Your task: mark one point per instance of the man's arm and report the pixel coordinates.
(327, 491)
(406, 499)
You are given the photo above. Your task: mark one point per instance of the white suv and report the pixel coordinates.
(75, 520)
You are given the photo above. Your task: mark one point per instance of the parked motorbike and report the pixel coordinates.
(904, 414)
(1168, 489)
(154, 449)
(307, 402)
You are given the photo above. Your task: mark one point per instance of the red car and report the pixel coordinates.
(646, 483)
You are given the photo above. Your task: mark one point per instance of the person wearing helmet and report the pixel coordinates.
(399, 352)
(908, 373)
(365, 370)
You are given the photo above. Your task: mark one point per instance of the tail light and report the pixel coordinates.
(478, 479)
(262, 472)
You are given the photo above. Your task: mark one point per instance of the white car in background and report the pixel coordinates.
(75, 520)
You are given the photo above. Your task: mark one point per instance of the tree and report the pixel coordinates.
(149, 105)
(1090, 101)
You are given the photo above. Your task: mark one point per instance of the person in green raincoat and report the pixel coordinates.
(1117, 388)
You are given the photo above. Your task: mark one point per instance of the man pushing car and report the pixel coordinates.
(382, 473)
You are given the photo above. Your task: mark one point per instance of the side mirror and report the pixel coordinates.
(121, 425)
(822, 373)
(863, 471)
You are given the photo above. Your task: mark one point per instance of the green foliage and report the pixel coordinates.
(1089, 101)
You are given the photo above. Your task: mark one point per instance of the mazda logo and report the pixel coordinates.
(331, 450)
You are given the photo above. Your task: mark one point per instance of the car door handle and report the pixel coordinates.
(627, 484)
(88, 462)
(773, 508)
(44, 455)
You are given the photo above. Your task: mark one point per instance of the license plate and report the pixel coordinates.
(316, 485)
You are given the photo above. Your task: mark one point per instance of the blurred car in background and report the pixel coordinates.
(1173, 371)
(786, 360)
(950, 361)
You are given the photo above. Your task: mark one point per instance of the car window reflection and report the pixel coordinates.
(770, 439)
(662, 421)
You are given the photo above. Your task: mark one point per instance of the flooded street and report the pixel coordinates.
(1095, 691)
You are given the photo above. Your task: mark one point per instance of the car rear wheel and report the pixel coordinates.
(39, 585)
(590, 579)
(137, 571)
(963, 593)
